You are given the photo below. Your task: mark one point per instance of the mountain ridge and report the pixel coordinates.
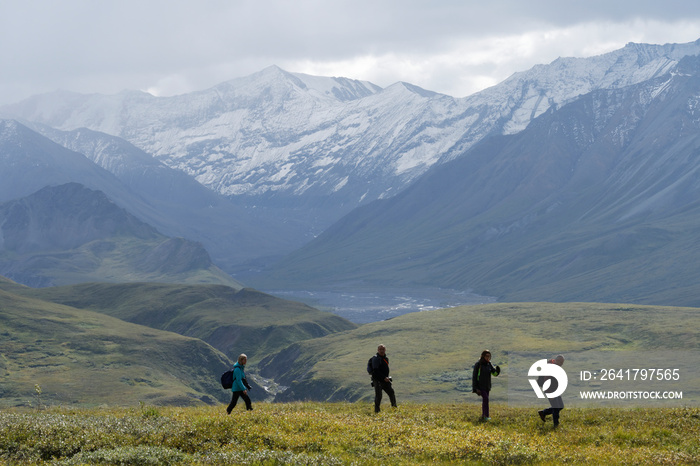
(272, 140)
(69, 233)
(592, 202)
(300, 160)
(231, 320)
(35, 156)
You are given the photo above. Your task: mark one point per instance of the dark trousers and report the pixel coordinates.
(556, 405)
(234, 400)
(379, 386)
(555, 414)
(485, 403)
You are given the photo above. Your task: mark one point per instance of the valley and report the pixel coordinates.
(363, 306)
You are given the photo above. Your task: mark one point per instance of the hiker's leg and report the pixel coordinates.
(377, 395)
(248, 404)
(390, 391)
(234, 400)
(484, 403)
(555, 416)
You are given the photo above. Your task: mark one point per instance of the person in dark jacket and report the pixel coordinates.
(481, 381)
(381, 379)
(240, 385)
(555, 404)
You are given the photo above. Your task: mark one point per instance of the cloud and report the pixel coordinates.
(452, 46)
(469, 64)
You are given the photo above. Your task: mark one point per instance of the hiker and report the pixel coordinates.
(380, 378)
(240, 385)
(481, 381)
(556, 404)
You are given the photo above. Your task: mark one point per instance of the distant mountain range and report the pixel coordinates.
(319, 147)
(533, 189)
(167, 199)
(598, 200)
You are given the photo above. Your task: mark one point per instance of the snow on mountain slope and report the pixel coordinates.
(533, 92)
(294, 139)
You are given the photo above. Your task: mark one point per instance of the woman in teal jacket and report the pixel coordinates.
(239, 387)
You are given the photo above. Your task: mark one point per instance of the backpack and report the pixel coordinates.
(369, 365)
(227, 379)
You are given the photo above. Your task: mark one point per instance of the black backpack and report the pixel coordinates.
(369, 365)
(227, 379)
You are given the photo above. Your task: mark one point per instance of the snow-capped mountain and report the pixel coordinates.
(595, 201)
(292, 139)
(528, 94)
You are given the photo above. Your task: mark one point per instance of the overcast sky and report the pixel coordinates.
(456, 47)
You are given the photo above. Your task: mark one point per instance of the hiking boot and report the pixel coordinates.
(543, 416)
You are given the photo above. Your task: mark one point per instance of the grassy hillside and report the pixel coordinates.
(79, 357)
(116, 260)
(233, 321)
(342, 433)
(431, 351)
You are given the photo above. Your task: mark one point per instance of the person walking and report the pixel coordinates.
(555, 404)
(381, 379)
(481, 381)
(240, 385)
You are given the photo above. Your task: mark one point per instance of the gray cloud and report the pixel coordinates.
(451, 46)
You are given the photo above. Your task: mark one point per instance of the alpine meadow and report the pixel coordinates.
(146, 242)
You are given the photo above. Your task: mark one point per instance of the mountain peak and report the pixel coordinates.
(274, 77)
(412, 88)
(66, 217)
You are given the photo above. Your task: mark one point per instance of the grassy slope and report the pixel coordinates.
(87, 358)
(342, 433)
(233, 321)
(430, 351)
